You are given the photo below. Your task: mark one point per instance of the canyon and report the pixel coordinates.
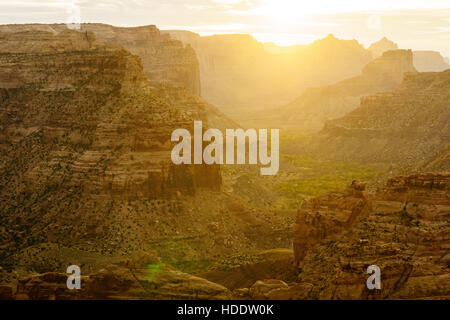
(403, 229)
(87, 176)
(86, 170)
(238, 73)
(308, 113)
(405, 125)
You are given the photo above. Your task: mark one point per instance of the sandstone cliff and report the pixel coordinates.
(378, 48)
(404, 230)
(163, 58)
(424, 61)
(406, 125)
(315, 106)
(83, 134)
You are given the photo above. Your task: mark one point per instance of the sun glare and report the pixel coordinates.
(283, 12)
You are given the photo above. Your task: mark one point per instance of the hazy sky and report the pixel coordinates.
(416, 24)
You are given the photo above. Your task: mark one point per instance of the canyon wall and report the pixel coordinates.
(309, 112)
(83, 135)
(163, 59)
(406, 125)
(403, 229)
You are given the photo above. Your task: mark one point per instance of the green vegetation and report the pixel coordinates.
(153, 270)
(314, 177)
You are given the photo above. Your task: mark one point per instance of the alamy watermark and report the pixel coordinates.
(74, 280)
(235, 147)
(374, 281)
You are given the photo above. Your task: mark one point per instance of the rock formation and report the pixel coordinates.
(424, 61)
(163, 58)
(315, 106)
(328, 217)
(406, 125)
(403, 229)
(83, 133)
(145, 278)
(378, 48)
(86, 170)
(430, 61)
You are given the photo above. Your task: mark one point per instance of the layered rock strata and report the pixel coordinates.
(404, 230)
(163, 59)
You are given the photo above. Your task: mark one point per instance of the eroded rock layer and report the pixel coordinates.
(406, 125)
(315, 106)
(405, 231)
(83, 135)
(163, 59)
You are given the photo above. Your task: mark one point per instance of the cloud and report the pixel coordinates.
(414, 23)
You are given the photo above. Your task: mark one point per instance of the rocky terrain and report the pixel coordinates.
(86, 175)
(87, 179)
(82, 128)
(403, 229)
(406, 125)
(142, 277)
(309, 112)
(163, 59)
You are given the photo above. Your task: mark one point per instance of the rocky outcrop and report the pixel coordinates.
(404, 231)
(430, 61)
(83, 134)
(406, 125)
(100, 70)
(163, 59)
(315, 106)
(327, 217)
(424, 61)
(275, 264)
(131, 280)
(378, 48)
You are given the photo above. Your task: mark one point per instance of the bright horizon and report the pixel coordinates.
(411, 24)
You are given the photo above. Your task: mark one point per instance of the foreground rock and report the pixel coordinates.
(406, 233)
(144, 279)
